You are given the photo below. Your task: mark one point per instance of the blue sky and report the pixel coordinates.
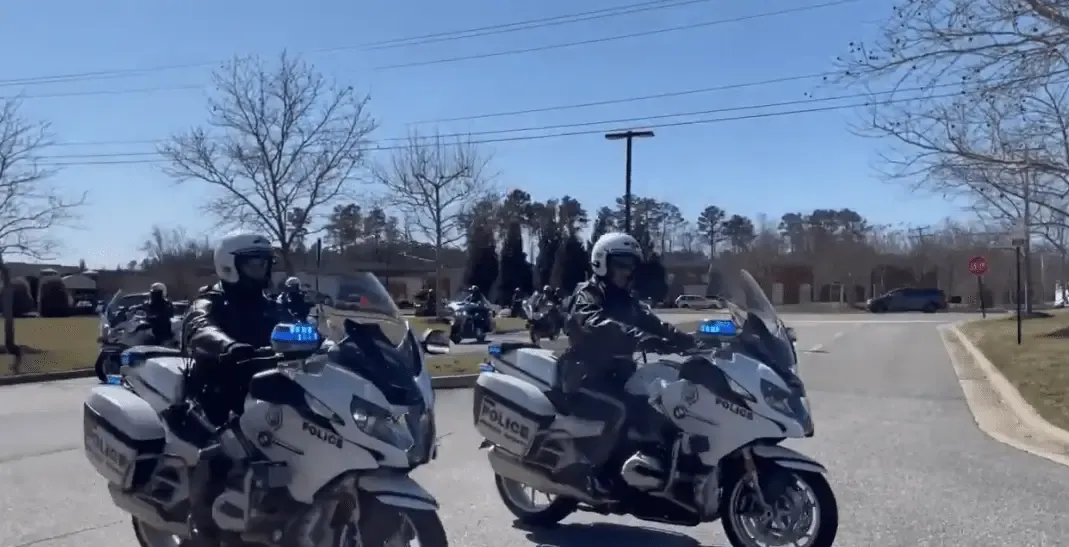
(769, 165)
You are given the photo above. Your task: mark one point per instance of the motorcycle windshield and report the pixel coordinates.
(374, 338)
(750, 304)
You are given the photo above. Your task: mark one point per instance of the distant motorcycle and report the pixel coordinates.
(542, 323)
(127, 328)
(470, 321)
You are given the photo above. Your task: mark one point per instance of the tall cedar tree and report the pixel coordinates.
(482, 258)
(515, 271)
(571, 265)
(547, 255)
(651, 279)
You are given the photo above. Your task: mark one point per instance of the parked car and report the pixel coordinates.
(909, 299)
(695, 302)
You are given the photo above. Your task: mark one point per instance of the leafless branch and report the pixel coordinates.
(279, 138)
(30, 207)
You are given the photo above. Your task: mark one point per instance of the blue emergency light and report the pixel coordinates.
(300, 334)
(718, 327)
(493, 349)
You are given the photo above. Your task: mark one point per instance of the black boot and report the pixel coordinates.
(203, 485)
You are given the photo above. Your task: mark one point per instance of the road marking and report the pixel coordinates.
(815, 348)
(838, 334)
(862, 321)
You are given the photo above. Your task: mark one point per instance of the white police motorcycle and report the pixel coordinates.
(323, 448)
(702, 441)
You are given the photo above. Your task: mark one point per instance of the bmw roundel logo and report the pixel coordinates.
(274, 417)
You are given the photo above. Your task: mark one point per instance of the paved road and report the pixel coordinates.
(908, 463)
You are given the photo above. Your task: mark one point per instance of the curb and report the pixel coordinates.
(456, 381)
(33, 377)
(1009, 394)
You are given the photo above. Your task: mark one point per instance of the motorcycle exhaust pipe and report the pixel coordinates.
(145, 512)
(510, 467)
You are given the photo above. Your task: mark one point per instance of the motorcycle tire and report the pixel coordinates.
(557, 510)
(828, 511)
(99, 367)
(534, 338)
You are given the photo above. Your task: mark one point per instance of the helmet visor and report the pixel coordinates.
(253, 266)
(622, 263)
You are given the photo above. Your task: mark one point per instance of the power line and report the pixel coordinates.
(585, 16)
(572, 133)
(572, 125)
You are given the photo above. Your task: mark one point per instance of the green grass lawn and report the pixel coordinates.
(55, 344)
(1039, 367)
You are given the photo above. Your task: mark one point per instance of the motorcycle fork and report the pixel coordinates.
(752, 478)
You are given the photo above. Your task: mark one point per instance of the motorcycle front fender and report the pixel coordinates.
(790, 459)
(398, 490)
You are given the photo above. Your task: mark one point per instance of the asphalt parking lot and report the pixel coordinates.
(907, 461)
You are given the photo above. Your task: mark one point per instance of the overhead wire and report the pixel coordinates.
(84, 76)
(393, 43)
(573, 129)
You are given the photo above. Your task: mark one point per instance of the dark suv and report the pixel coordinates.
(909, 299)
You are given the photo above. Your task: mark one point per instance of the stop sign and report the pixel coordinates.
(977, 265)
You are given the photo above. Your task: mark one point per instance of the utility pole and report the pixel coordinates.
(628, 135)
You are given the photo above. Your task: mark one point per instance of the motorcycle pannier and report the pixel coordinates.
(509, 412)
(123, 436)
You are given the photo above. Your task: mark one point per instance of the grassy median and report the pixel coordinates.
(1039, 367)
(54, 344)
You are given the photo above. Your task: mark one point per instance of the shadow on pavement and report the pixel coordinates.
(617, 535)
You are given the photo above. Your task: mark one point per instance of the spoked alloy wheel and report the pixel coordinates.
(804, 513)
(531, 506)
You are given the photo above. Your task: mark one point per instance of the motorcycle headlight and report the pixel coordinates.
(381, 423)
(777, 398)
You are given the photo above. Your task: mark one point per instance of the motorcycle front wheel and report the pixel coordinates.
(382, 525)
(804, 512)
(99, 367)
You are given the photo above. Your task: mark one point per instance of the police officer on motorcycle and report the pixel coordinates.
(225, 324)
(159, 312)
(292, 300)
(605, 327)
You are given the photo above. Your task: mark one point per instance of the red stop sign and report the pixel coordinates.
(977, 265)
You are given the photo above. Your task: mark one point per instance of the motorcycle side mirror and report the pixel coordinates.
(435, 342)
(791, 335)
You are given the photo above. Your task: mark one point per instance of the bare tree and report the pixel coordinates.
(176, 259)
(279, 138)
(30, 207)
(961, 85)
(434, 181)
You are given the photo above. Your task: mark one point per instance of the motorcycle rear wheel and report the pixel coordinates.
(524, 511)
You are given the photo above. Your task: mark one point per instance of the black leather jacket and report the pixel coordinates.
(216, 320)
(159, 314)
(604, 327)
(296, 305)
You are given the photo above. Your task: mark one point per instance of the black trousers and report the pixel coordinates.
(600, 401)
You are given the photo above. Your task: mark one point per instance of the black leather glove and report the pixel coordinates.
(238, 352)
(655, 344)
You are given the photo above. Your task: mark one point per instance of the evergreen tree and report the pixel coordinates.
(515, 271)
(571, 265)
(482, 257)
(547, 256)
(651, 279)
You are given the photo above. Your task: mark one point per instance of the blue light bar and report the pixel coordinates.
(486, 367)
(301, 333)
(493, 349)
(114, 380)
(720, 327)
(125, 358)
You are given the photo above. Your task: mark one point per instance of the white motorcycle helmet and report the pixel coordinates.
(615, 250)
(158, 287)
(293, 283)
(244, 260)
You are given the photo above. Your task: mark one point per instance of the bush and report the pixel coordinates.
(22, 299)
(52, 298)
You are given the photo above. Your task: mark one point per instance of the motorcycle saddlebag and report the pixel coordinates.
(510, 412)
(123, 436)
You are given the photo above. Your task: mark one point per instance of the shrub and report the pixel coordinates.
(52, 298)
(21, 298)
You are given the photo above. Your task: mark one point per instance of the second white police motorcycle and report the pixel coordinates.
(702, 441)
(321, 453)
